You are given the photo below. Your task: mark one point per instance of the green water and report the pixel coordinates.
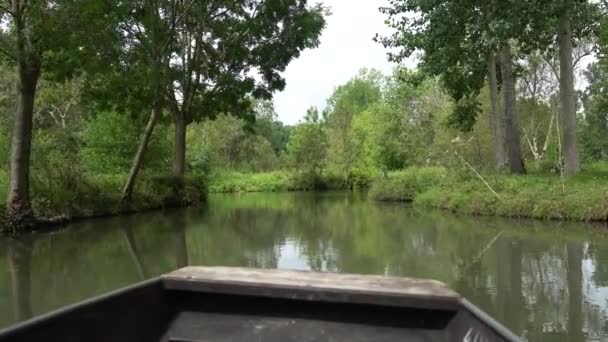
(546, 281)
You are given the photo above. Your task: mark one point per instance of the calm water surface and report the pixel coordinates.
(546, 281)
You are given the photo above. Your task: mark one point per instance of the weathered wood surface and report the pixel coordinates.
(303, 285)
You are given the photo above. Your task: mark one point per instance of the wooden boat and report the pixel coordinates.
(248, 305)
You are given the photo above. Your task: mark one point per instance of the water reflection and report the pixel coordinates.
(19, 258)
(544, 280)
(127, 230)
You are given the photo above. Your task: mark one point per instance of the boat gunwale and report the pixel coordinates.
(64, 310)
(270, 287)
(374, 297)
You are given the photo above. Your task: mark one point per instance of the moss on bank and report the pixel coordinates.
(100, 195)
(583, 197)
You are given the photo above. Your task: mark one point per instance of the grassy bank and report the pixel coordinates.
(100, 195)
(281, 181)
(583, 197)
(406, 185)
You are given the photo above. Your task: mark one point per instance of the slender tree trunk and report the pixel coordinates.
(567, 96)
(548, 136)
(19, 206)
(179, 161)
(516, 164)
(127, 191)
(498, 139)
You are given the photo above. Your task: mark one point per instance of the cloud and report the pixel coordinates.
(346, 46)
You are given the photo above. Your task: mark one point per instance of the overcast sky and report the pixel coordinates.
(346, 46)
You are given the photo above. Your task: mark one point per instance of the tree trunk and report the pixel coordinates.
(127, 191)
(19, 206)
(566, 87)
(498, 140)
(516, 164)
(179, 160)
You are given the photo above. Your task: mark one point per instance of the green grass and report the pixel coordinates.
(540, 196)
(405, 185)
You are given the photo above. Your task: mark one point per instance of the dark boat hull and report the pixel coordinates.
(211, 304)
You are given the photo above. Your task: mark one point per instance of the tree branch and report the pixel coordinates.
(7, 10)
(580, 57)
(8, 54)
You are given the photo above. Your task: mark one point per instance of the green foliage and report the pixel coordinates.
(225, 144)
(100, 194)
(258, 38)
(407, 184)
(345, 132)
(594, 126)
(111, 140)
(307, 146)
(422, 122)
(3, 183)
(281, 181)
(402, 129)
(534, 196)
(269, 127)
(253, 182)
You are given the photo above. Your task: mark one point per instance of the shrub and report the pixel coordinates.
(275, 181)
(111, 140)
(252, 182)
(405, 185)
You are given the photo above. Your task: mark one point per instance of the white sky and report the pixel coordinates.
(346, 46)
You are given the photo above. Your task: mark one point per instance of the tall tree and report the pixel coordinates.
(268, 126)
(560, 24)
(496, 121)
(567, 95)
(516, 164)
(221, 47)
(577, 20)
(54, 36)
(456, 38)
(149, 28)
(307, 146)
(344, 105)
(26, 54)
(456, 47)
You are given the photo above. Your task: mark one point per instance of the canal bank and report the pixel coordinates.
(103, 198)
(545, 197)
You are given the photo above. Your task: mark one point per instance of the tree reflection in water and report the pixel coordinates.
(546, 281)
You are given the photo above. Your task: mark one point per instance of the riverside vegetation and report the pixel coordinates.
(90, 91)
(488, 123)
